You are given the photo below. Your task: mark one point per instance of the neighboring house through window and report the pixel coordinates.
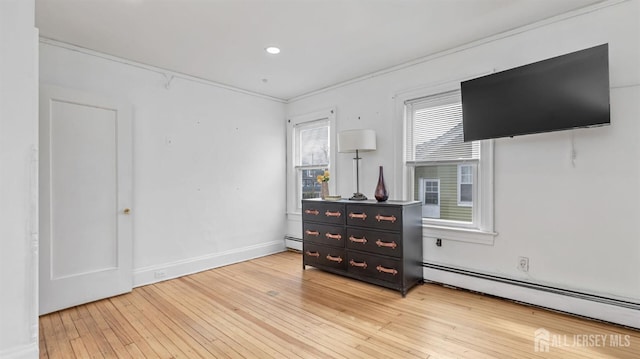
(445, 173)
(437, 152)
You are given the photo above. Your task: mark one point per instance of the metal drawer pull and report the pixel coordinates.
(391, 244)
(334, 259)
(312, 211)
(391, 219)
(333, 236)
(361, 216)
(312, 233)
(362, 240)
(332, 214)
(313, 254)
(386, 270)
(362, 265)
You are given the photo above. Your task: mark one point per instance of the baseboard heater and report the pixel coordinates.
(540, 287)
(287, 238)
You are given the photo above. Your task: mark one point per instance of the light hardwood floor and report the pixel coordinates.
(270, 307)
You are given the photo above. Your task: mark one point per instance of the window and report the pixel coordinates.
(312, 156)
(430, 197)
(451, 178)
(436, 151)
(431, 192)
(465, 185)
(310, 147)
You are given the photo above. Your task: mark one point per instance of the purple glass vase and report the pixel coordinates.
(381, 189)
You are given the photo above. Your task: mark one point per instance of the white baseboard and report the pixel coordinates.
(147, 275)
(29, 351)
(579, 306)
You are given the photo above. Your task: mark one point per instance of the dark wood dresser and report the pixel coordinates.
(379, 243)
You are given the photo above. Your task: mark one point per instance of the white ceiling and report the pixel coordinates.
(323, 42)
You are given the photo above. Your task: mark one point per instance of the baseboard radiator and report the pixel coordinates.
(539, 287)
(294, 239)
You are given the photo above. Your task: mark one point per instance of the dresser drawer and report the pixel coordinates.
(367, 265)
(380, 217)
(385, 243)
(323, 212)
(324, 256)
(324, 234)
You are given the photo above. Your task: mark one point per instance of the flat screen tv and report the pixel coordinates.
(564, 92)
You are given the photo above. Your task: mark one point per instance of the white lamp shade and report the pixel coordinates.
(352, 140)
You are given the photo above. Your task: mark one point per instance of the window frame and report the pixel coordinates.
(481, 229)
(294, 170)
(298, 166)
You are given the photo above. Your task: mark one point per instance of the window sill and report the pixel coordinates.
(469, 235)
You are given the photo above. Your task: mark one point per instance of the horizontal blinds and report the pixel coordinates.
(434, 131)
(312, 144)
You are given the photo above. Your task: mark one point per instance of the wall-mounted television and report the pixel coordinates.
(564, 92)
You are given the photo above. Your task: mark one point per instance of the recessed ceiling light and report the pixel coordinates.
(272, 50)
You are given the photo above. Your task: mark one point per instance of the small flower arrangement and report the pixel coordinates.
(323, 177)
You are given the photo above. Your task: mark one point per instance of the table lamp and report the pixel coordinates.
(357, 141)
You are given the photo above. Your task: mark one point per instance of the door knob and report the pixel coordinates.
(127, 211)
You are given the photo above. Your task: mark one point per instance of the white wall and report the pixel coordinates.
(18, 180)
(577, 225)
(209, 163)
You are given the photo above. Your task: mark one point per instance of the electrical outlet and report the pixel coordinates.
(523, 264)
(160, 274)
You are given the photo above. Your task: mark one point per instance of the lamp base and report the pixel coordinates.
(358, 197)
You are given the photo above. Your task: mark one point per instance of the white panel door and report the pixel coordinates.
(85, 198)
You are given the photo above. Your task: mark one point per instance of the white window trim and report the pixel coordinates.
(293, 207)
(483, 194)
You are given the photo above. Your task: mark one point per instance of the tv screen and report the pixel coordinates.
(560, 93)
